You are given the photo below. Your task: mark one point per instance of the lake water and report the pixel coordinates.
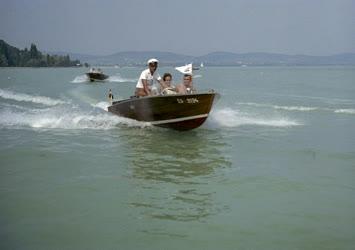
(273, 167)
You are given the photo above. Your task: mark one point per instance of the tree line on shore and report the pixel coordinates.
(13, 57)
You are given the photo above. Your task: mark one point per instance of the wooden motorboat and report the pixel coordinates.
(96, 75)
(178, 111)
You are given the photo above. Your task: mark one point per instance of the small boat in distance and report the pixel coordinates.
(96, 75)
(176, 111)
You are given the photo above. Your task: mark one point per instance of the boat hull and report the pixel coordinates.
(96, 76)
(179, 112)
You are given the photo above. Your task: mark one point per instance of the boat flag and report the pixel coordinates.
(187, 69)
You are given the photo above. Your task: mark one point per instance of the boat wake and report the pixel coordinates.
(21, 97)
(57, 114)
(119, 78)
(328, 100)
(114, 78)
(289, 108)
(80, 79)
(298, 108)
(62, 118)
(101, 105)
(18, 110)
(345, 111)
(228, 117)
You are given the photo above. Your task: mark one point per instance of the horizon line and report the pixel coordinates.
(208, 53)
(179, 53)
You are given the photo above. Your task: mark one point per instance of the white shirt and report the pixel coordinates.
(149, 77)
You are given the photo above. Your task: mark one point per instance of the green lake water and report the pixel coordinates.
(273, 167)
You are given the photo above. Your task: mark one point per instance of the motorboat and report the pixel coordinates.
(175, 111)
(96, 75)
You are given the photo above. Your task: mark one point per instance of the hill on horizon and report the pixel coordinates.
(221, 58)
(12, 56)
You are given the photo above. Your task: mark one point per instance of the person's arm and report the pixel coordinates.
(180, 88)
(163, 85)
(192, 88)
(145, 86)
(160, 80)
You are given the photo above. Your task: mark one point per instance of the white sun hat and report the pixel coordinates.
(152, 60)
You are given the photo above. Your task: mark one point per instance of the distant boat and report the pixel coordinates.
(201, 65)
(96, 75)
(177, 111)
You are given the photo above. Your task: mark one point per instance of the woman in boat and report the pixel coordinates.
(166, 87)
(166, 83)
(147, 79)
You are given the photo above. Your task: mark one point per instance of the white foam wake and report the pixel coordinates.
(21, 97)
(295, 108)
(299, 108)
(101, 105)
(345, 111)
(119, 78)
(327, 100)
(290, 108)
(53, 118)
(233, 118)
(80, 79)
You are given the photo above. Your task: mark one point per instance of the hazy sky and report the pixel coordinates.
(192, 27)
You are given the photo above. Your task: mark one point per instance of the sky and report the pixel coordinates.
(190, 27)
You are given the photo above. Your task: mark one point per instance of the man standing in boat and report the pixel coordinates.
(146, 81)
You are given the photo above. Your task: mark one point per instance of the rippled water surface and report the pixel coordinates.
(272, 168)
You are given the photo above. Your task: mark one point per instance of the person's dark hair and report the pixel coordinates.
(166, 75)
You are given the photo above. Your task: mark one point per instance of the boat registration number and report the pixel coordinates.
(187, 100)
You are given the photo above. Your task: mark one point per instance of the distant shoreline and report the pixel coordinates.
(215, 59)
(13, 57)
(208, 66)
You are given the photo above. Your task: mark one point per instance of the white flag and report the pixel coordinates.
(187, 69)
